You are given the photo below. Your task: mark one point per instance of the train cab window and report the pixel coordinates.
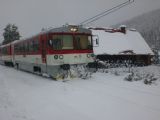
(61, 42)
(67, 42)
(55, 44)
(83, 42)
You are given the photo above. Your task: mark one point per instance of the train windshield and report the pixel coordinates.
(83, 42)
(68, 42)
(61, 42)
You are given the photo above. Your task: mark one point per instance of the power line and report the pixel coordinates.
(106, 12)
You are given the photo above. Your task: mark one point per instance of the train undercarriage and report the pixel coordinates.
(56, 72)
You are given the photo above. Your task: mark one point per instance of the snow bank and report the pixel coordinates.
(25, 96)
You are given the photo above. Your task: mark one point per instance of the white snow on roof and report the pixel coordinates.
(115, 43)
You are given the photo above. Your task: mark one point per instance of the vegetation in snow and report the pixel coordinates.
(10, 34)
(131, 72)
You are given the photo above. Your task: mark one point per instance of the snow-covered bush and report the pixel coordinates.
(130, 77)
(116, 73)
(149, 79)
(138, 75)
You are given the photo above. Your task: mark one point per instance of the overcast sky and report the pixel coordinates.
(33, 15)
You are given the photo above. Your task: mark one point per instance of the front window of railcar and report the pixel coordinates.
(69, 42)
(83, 42)
(61, 42)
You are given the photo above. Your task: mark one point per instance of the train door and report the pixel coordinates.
(43, 49)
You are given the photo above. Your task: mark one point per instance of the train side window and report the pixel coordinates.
(4, 51)
(21, 48)
(18, 48)
(26, 47)
(36, 45)
(31, 47)
(15, 48)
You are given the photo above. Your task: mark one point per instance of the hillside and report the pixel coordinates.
(148, 25)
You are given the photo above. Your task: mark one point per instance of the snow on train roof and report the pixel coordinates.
(64, 28)
(117, 43)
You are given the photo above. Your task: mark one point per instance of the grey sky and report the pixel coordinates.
(33, 15)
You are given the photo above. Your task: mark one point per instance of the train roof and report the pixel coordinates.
(63, 29)
(5, 45)
(68, 28)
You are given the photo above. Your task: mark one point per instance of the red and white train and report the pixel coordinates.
(52, 51)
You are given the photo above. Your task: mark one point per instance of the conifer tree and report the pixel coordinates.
(11, 33)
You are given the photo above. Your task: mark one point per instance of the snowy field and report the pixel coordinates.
(105, 96)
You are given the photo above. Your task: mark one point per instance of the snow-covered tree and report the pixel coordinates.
(11, 33)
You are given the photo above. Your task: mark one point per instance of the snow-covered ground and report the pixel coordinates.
(105, 96)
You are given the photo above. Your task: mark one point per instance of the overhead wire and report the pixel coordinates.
(106, 12)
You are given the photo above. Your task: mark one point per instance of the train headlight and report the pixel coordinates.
(74, 29)
(61, 57)
(56, 57)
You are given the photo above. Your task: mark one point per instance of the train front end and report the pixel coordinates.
(70, 48)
